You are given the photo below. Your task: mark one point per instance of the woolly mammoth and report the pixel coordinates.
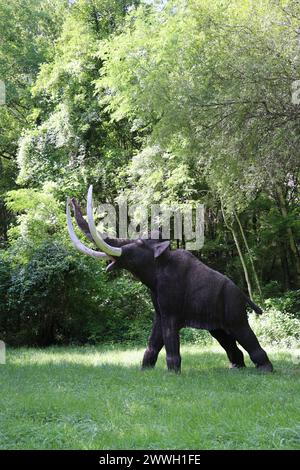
(185, 293)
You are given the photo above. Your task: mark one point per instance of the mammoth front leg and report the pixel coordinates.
(155, 344)
(170, 325)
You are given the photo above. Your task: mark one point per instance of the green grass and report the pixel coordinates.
(97, 398)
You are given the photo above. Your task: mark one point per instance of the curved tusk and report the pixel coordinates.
(81, 222)
(110, 250)
(77, 243)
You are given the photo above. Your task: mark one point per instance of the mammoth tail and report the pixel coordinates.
(254, 307)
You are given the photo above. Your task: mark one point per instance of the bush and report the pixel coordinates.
(61, 297)
(45, 298)
(276, 328)
(193, 336)
(124, 311)
(289, 302)
(272, 289)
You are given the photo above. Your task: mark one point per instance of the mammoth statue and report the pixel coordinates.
(185, 293)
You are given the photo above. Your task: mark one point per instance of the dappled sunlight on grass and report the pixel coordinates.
(97, 398)
(131, 357)
(88, 356)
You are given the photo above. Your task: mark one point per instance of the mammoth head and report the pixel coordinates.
(136, 254)
(123, 253)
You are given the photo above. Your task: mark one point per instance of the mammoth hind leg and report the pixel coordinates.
(246, 337)
(228, 342)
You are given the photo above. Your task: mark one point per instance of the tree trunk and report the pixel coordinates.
(290, 235)
(242, 259)
(4, 217)
(249, 254)
(285, 266)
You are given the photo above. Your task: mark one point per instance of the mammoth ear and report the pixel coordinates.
(160, 248)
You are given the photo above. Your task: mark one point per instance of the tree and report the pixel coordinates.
(74, 141)
(197, 78)
(28, 30)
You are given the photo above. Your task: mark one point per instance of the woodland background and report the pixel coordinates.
(162, 101)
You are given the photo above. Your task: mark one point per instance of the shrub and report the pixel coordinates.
(45, 298)
(193, 336)
(59, 296)
(289, 302)
(124, 311)
(276, 328)
(272, 289)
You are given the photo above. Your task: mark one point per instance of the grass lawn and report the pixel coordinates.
(97, 398)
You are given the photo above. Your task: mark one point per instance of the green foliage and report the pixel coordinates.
(165, 103)
(289, 303)
(193, 336)
(5, 278)
(58, 296)
(203, 91)
(40, 218)
(45, 298)
(75, 140)
(277, 328)
(28, 30)
(123, 312)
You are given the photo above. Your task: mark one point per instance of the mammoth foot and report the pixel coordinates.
(150, 358)
(147, 367)
(236, 366)
(267, 367)
(174, 363)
